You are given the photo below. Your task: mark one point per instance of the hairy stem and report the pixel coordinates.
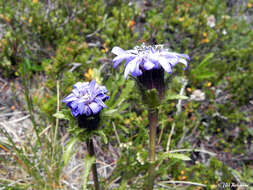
(153, 121)
(90, 147)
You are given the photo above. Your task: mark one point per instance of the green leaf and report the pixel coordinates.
(64, 114)
(88, 161)
(250, 131)
(102, 134)
(202, 66)
(151, 98)
(110, 112)
(125, 129)
(123, 107)
(237, 173)
(59, 115)
(175, 155)
(205, 75)
(124, 94)
(201, 71)
(123, 185)
(68, 150)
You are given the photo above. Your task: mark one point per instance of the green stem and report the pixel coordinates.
(153, 121)
(57, 110)
(90, 147)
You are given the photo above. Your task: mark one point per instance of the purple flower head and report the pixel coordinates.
(144, 57)
(86, 99)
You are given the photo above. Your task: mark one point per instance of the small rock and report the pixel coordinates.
(198, 95)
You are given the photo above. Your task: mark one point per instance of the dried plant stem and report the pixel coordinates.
(153, 121)
(184, 182)
(169, 139)
(179, 109)
(90, 147)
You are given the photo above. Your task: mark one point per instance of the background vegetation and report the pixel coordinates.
(47, 46)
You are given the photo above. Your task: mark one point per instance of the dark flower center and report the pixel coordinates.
(153, 78)
(88, 122)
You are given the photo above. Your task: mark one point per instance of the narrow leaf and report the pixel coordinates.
(102, 134)
(88, 161)
(202, 67)
(175, 155)
(176, 97)
(110, 112)
(68, 151)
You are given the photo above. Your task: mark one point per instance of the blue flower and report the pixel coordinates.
(86, 99)
(144, 57)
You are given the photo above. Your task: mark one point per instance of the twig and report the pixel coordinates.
(193, 150)
(15, 154)
(103, 168)
(106, 166)
(161, 133)
(4, 85)
(118, 178)
(74, 66)
(70, 185)
(185, 130)
(74, 168)
(10, 129)
(179, 109)
(20, 119)
(193, 130)
(2, 80)
(98, 29)
(45, 130)
(11, 114)
(169, 139)
(185, 182)
(179, 104)
(12, 183)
